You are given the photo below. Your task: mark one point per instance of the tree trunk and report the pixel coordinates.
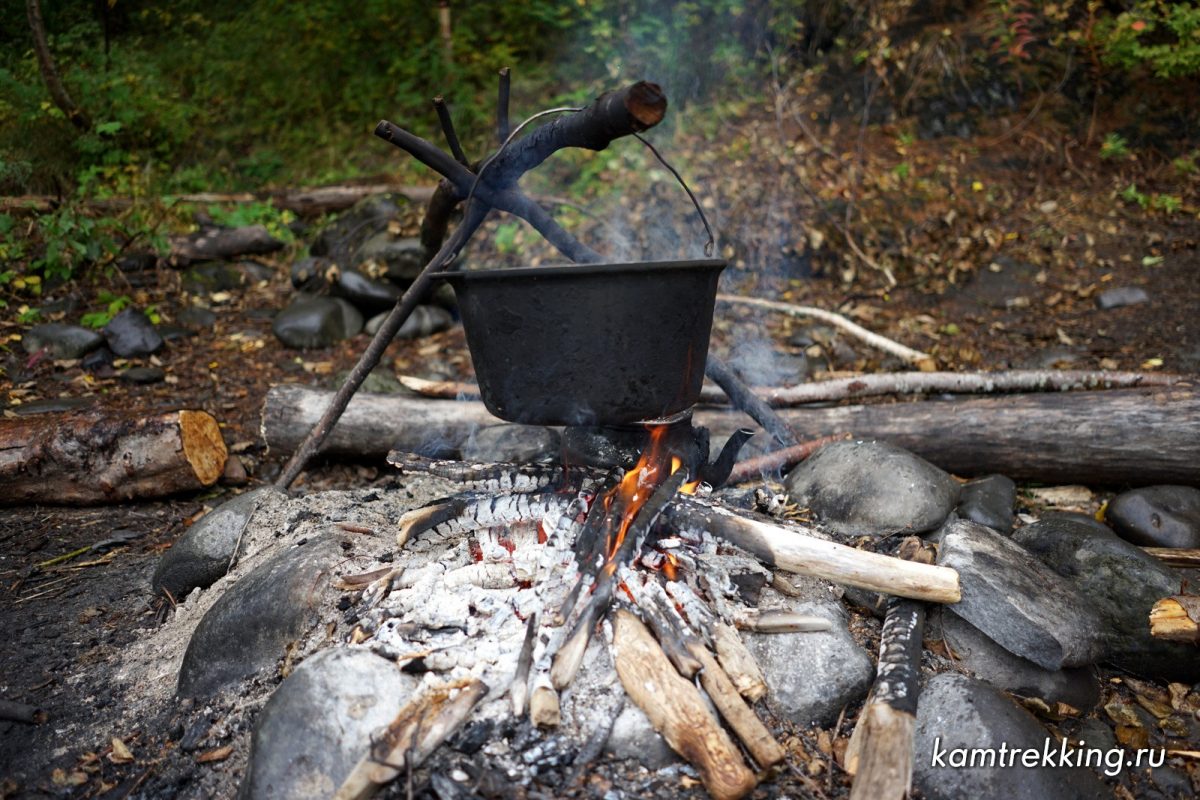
(82, 458)
(54, 84)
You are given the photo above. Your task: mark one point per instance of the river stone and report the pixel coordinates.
(1157, 516)
(1076, 686)
(1122, 583)
(174, 333)
(633, 737)
(366, 295)
(61, 342)
(342, 239)
(957, 713)
(211, 276)
(518, 444)
(99, 360)
(202, 554)
(50, 405)
(401, 259)
(338, 698)
(423, 321)
(989, 501)
(248, 628)
(1121, 296)
(380, 380)
(1020, 604)
(811, 676)
(311, 274)
(869, 487)
(314, 322)
(131, 335)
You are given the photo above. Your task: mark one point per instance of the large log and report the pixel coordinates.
(1120, 436)
(82, 458)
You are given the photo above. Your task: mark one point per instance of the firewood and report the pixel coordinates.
(783, 459)
(1176, 619)
(738, 663)
(789, 549)
(424, 723)
(1133, 436)
(676, 710)
(544, 709)
(880, 753)
(1175, 556)
(101, 456)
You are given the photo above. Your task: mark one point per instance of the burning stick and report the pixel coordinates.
(423, 724)
(789, 549)
(676, 710)
(880, 751)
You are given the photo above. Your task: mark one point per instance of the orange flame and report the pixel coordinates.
(652, 468)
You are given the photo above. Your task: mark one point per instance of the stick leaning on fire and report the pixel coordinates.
(723, 672)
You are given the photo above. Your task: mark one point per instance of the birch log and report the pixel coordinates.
(91, 457)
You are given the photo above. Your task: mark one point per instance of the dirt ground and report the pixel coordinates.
(1054, 226)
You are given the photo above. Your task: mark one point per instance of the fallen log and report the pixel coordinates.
(676, 710)
(215, 244)
(1119, 436)
(306, 202)
(1176, 619)
(98, 456)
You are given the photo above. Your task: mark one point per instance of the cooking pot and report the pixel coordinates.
(589, 344)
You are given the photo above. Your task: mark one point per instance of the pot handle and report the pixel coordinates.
(708, 245)
(711, 243)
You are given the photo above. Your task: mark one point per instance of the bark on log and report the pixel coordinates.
(676, 710)
(1122, 436)
(215, 244)
(83, 458)
(1176, 619)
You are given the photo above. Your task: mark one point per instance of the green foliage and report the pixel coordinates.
(1161, 36)
(275, 220)
(1166, 203)
(1114, 147)
(1130, 194)
(112, 305)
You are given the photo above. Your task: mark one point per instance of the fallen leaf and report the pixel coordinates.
(218, 754)
(1133, 738)
(121, 754)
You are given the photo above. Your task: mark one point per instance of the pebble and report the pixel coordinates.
(869, 487)
(1120, 296)
(367, 295)
(196, 317)
(210, 277)
(174, 333)
(958, 715)
(424, 321)
(320, 721)
(1075, 686)
(131, 335)
(143, 375)
(247, 630)
(519, 444)
(1020, 603)
(1157, 516)
(98, 360)
(202, 554)
(811, 676)
(61, 342)
(989, 501)
(315, 322)
(380, 380)
(1121, 583)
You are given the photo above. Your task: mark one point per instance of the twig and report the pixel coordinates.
(745, 399)
(439, 104)
(502, 105)
(780, 459)
(922, 360)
